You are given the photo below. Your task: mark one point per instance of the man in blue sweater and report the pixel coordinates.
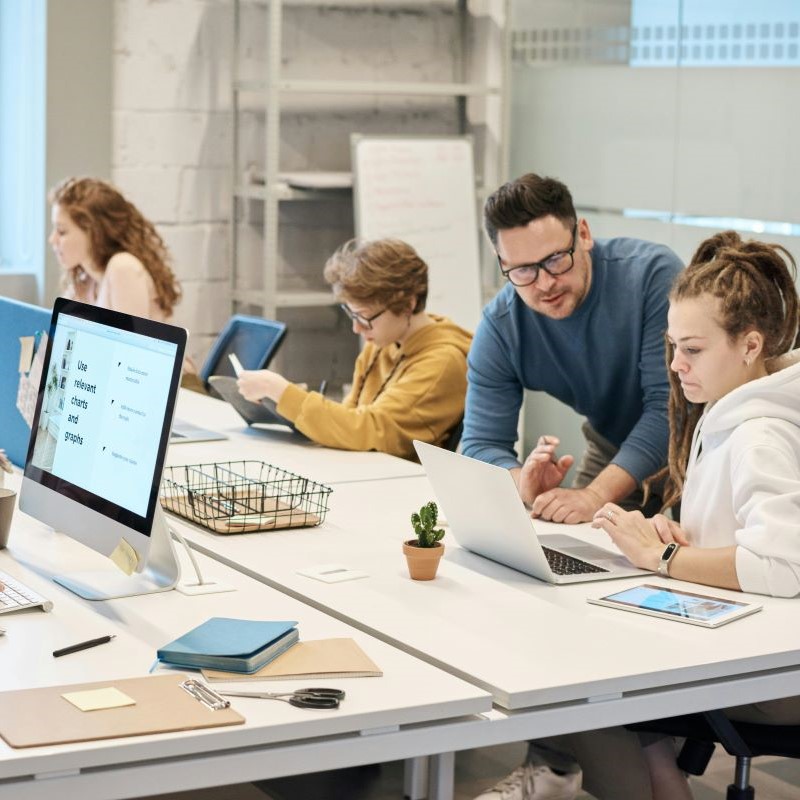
(584, 321)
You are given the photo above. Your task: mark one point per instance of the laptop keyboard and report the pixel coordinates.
(16, 596)
(562, 564)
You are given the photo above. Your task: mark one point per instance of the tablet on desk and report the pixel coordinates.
(676, 604)
(265, 411)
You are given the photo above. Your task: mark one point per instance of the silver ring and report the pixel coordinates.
(610, 515)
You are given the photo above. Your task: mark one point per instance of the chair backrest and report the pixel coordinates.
(453, 439)
(254, 341)
(16, 319)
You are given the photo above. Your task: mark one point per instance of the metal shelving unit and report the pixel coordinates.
(259, 204)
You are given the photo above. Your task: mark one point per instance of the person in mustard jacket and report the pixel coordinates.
(411, 376)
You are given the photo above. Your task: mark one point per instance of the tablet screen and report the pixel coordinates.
(676, 603)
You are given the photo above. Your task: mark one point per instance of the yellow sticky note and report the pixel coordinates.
(25, 353)
(125, 557)
(97, 699)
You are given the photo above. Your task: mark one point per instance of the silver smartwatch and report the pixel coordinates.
(666, 559)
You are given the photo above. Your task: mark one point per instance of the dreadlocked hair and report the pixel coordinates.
(754, 283)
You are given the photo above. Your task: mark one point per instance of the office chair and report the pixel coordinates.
(254, 341)
(453, 439)
(743, 740)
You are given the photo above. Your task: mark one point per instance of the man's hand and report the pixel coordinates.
(542, 471)
(567, 505)
(255, 384)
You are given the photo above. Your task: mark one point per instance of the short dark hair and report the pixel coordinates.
(525, 199)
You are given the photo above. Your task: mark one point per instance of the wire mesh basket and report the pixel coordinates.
(243, 496)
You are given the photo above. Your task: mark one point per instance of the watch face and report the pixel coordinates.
(668, 551)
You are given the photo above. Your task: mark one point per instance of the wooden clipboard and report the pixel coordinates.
(36, 717)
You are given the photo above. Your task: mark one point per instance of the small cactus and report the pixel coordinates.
(424, 524)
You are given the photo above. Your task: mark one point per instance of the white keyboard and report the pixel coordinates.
(17, 596)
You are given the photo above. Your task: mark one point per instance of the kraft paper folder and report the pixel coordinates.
(35, 717)
(320, 658)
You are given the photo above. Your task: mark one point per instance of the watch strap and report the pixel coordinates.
(666, 559)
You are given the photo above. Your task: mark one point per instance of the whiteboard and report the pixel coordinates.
(422, 190)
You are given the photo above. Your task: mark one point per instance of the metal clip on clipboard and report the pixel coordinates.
(205, 694)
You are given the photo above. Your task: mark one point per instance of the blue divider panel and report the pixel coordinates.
(16, 319)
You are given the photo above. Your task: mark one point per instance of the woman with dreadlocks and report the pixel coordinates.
(734, 452)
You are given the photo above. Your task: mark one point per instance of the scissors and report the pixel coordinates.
(302, 698)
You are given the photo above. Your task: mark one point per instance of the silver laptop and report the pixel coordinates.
(487, 516)
(185, 432)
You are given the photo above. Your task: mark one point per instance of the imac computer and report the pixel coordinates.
(98, 444)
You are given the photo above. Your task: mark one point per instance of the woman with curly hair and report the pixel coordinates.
(111, 256)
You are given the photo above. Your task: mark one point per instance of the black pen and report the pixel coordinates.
(74, 648)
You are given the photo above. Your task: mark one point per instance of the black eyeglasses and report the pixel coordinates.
(364, 322)
(556, 264)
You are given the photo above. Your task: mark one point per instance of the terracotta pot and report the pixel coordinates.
(422, 561)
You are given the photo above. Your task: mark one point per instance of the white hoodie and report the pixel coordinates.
(743, 481)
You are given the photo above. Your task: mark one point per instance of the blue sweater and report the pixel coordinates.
(606, 360)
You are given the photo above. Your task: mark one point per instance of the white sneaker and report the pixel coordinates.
(534, 782)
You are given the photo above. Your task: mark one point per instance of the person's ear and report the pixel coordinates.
(753, 345)
(584, 234)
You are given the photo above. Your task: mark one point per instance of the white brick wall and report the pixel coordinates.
(172, 140)
(171, 145)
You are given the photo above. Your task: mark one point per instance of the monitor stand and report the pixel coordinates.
(160, 574)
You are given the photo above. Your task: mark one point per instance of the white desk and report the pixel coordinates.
(277, 445)
(401, 715)
(552, 661)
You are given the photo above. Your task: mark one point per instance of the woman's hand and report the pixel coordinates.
(635, 536)
(259, 383)
(668, 530)
(542, 471)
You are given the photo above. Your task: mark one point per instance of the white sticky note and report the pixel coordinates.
(97, 699)
(331, 573)
(37, 365)
(25, 352)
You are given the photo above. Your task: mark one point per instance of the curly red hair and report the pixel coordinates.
(114, 225)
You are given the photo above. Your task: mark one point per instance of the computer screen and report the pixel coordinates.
(101, 427)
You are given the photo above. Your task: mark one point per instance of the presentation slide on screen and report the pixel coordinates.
(103, 410)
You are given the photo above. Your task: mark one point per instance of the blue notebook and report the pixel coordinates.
(235, 645)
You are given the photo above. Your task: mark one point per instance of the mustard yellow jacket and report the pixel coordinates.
(400, 392)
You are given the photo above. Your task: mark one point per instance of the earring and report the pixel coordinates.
(747, 361)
